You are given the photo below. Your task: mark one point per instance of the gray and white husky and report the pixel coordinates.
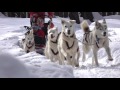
(95, 39)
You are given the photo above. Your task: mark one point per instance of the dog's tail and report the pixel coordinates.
(84, 25)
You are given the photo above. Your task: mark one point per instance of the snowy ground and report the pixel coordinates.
(40, 67)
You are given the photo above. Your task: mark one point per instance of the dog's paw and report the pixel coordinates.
(110, 59)
(27, 51)
(77, 65)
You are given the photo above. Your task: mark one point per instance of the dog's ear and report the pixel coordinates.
(63, 21)
(104, 21)
(97, 24)
(73, 21)
(28, 28)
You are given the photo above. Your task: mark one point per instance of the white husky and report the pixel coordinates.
(51, 51)
(68, 44)
(28, 43)
(95, 40)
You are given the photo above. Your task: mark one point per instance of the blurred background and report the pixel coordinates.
(71, 15)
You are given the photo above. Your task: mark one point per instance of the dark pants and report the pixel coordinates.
(39, 40)
(74, 16)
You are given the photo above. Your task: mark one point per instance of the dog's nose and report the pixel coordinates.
(29, 42)
(104, 34)
(68, 31)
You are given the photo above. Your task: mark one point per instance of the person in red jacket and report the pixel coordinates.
(40, 15)
(37, 20)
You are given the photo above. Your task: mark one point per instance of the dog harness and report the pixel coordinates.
(56, 39)
(30, 46)
(54, 52)
(55, 43)
(68, 45)
(97, 41)
(86, 35)
(67, 42)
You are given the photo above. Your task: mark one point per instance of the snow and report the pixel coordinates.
(10, 67)
(97, 16)
(20, 64)
(1, 15)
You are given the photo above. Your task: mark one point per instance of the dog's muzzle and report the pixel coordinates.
(104, 34)
(29, 42)
(68, 32)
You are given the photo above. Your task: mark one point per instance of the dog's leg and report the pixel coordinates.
(51, 58)
(56, 58)
(107, 48)
(46, 51)
(95, 56)
(84, 52)
(83, 57)
(70, 60)
(109, 53)
(77, 59)
(61, 60)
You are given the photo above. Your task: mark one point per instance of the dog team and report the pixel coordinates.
(64, 48)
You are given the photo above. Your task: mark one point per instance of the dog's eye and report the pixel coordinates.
(71, 26)
(66, 26)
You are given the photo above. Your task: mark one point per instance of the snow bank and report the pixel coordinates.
(113, 17)
(11, 67)
(53, 70)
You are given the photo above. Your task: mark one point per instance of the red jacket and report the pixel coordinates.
(42, 14)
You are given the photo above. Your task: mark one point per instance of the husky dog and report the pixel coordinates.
(95, 39)
(51, 51)
(67, 44)
(28, 43)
